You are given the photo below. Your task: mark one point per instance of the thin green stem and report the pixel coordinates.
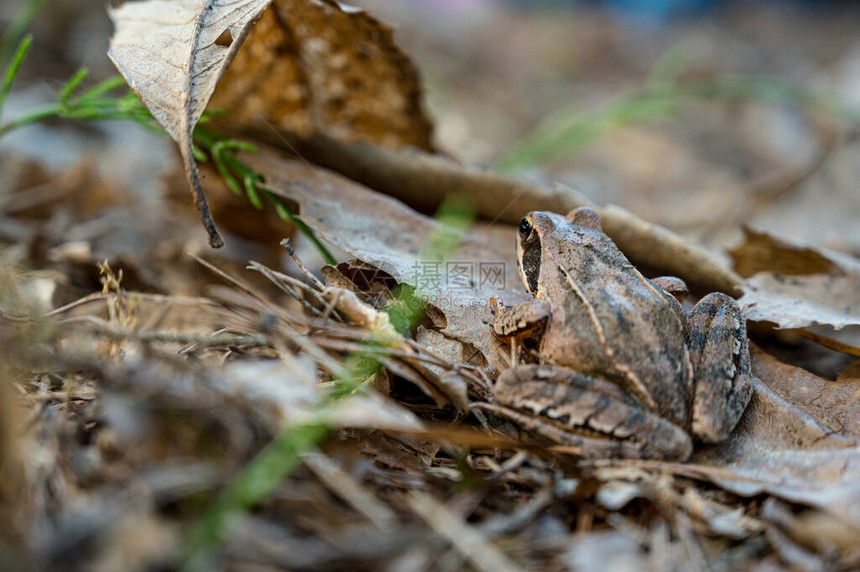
(568, 130)
(72, 85)
(108, 85)
(12, 70)
(262, 475)
(90, 105)
(233, 170)
(95, 103)
(33, 116)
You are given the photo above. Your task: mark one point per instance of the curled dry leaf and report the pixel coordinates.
(309, 66)
(172, 55)
(762, 252)
(360, 313)
(423, 180)
(835, 404)
(796, 285)
(771, 432)
(450, 383)
(319, 66)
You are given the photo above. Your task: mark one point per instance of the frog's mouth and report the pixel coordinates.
(531, 264)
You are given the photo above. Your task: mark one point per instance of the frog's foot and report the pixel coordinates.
(521, 320)
(719, 353)
(590, 414)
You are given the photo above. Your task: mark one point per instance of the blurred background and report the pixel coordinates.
(734, 129)
(700, 115)
(703, 116)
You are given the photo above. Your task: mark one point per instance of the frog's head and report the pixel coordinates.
(538, 231)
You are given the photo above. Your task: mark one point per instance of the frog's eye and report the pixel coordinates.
(525, 227)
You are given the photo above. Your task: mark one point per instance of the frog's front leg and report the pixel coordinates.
(719, 353)
(521, 320)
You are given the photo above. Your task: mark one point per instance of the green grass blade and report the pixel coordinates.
(567, 131)
(72, 85)
(106, 86)
(770, 90)
(199, 154)
(224, 171)
(33, 116)
(251, 180)
(282, 209)
(562, 135)
(14, 67)
(254, 483)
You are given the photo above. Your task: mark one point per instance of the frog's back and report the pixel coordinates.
(616, 323)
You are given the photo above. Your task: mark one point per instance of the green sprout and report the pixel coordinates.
(98, 103)
(569, 129)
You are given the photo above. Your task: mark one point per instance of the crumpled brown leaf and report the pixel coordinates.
(789, 445)
(325, 67)
(835, 404)
(796, 285)
(785, 419)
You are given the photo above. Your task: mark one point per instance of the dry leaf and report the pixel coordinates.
(422, 181)
(826, 479)
(320, 66)
(797, 302)
(797, 285)
(788, 450)
(762, 252)
(286, 392)
(172, 55)
(835, 404)
(813, 529)
(771, 432)
(389, 235)
(450, 383)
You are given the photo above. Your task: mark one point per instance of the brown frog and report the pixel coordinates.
(624, 371)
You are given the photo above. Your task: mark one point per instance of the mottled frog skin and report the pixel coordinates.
(624, 370)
